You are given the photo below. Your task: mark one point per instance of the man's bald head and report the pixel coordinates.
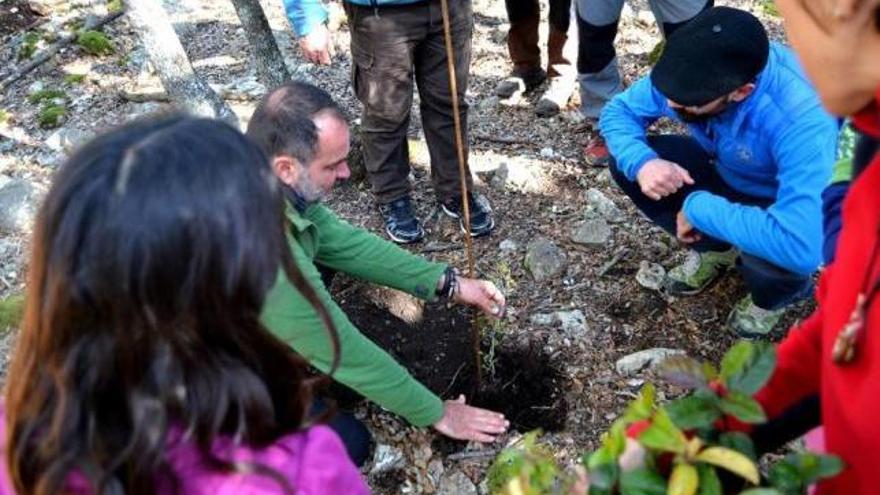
(284, 121)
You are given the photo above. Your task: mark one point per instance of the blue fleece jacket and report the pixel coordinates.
(778, 143)
(304, 15)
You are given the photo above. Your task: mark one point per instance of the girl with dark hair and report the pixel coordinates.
(142, 366)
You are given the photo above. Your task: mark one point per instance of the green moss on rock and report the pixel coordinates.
(51, 116)
(11, 311)
(95, 43)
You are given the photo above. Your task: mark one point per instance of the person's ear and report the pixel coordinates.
(742, 92)
(286, 168)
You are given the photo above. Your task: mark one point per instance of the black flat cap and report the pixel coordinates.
(716, 52)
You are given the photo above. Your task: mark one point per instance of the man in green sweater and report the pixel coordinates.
(305, 135)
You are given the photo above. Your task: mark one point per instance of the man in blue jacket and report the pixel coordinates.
(745, 186)
(393, 44)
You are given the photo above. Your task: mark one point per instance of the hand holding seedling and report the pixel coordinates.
(464, 422)
(482, 294)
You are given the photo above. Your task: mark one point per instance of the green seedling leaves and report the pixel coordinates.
(693, 411)
(527, 468)
(732, 461)
(663, 435)
(742, 407)
(797, 471)
(642, 482)
(760, 491)
(709, 482)
(642, 407)
(757, 372)
(684, 480)
(740, 442)
(683, 371)
(604, 477)
(736, 359)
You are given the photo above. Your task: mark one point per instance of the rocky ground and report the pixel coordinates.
(568, 248)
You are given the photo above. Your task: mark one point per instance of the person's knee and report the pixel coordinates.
(771, 286)
(595, 46)
(355, 436)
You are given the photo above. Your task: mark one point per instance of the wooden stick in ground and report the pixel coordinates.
(50, 52)
(462, 172)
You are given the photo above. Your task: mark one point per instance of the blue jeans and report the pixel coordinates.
(771, 286)
(354, 434)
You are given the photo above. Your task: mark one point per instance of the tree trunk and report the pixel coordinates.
(185, 88)
(271, 70)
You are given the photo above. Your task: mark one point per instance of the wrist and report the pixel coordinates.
(448, 286)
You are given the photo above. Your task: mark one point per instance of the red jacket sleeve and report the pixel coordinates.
(798, 364)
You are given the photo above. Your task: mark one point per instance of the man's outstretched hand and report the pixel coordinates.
(482, 294)
(464, 422)
(659, 178)
(316, 45)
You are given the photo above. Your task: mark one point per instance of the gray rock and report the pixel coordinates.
(547, 153)
(643, 360)
(48, 159)
(515, 174)
(18, 206)
(650, 275)
(36, 87)
(436, 470)
(592, 232)
(572, 322)
(544, 259)
(599, 205)
(487, 104)
(66, 140)
(508, 245)
(387, 458)
(456, 483)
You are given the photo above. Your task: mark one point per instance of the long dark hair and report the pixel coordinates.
(152, 256)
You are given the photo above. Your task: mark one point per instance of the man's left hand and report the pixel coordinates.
(684, 231)
(482, 294)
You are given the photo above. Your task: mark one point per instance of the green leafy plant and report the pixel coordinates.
(114, 6)
(656, 52)
(526, 468)
(95, 42)
(684, 440)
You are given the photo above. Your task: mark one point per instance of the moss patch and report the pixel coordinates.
(656, 53)
(51, 116)
(46, 95)
(769, 8)
(11, 311)
(73, 79)
(28, 46)
(95, 43)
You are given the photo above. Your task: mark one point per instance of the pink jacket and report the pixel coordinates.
(313, 461)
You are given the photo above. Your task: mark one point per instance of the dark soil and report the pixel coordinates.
(437, 350)
(16, 16)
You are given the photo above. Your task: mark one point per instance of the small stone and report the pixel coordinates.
(387, 458)
(544, 259)
(36, 87)
(543, 319)
(599, 205)
(572, 322)
(646, 359)
(18, 206)
(67, 139)
(508, 245)
(650, 275)
(487, 104)
(547, 153)
(456, 483)
(593, 232)
(515, 174)
(436, 470)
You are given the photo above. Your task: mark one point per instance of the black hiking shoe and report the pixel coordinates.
(520, 82)
(481, 214)
(401, 224)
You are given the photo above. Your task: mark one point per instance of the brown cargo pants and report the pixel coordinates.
(392, 47)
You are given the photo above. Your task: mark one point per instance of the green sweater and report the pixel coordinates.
(320, 236)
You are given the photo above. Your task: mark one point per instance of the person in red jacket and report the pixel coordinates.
(836, 352)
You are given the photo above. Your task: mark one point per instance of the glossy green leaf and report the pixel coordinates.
(757, 372)
(692, 412)
(642, 407)
(683, 481)
(642, 482)
(740, 442)
(709, 482)
(743, 408)
(736, 358)
(663, 435)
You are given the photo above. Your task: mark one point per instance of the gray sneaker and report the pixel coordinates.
(698, 271)
(750, 321)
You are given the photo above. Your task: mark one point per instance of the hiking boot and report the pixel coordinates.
(401, 223)
(556, 97)
(596, 152)
(520, 82)
(698, 271)
(481, 214)
(750, 321)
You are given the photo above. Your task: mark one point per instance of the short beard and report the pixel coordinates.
(307, 189)
(692, 118)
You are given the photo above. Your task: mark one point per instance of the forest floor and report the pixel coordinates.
(556, 350)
